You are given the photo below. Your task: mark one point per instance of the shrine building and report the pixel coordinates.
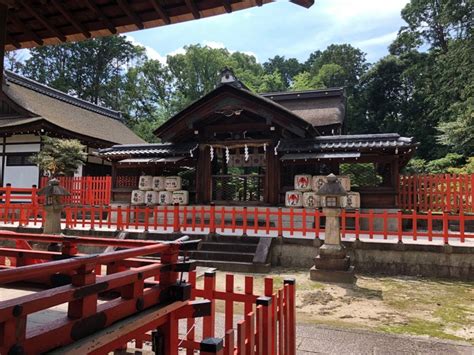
(233, 146)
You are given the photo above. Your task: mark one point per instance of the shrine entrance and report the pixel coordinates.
(238, 174)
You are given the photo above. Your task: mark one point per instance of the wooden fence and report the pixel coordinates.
(261, 222)
(442, 192)
(86, 190)
(267, 324)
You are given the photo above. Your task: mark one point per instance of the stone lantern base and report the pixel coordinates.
(332, 265)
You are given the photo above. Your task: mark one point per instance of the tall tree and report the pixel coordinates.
(288, 68)
(92, 70)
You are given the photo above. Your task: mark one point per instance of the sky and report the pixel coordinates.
(283, 28)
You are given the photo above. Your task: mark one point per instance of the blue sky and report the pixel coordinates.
(285, 29)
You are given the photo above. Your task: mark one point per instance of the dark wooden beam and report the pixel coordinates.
(77, 25)
(3, 37)
(130, 13)
(161, 11)
(100, 14)
(8, 3)
(259, 2)
(304, 3)
(25, 28)
(35, 13)
(13, 41)
(193, 8)
(227, 6)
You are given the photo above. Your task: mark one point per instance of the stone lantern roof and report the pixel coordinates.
(53, 189)
(332, 187)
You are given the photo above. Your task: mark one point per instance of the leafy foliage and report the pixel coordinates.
(60, 156)
(423, 88)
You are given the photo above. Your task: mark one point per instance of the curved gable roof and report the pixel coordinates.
(200, 108)
(62, 110)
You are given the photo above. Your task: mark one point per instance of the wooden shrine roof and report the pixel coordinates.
(32, 23)
(322, 107)
(36, 105)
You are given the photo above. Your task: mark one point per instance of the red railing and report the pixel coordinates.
(261, 222)
(442, 192)
(267, 326)
(87, 190)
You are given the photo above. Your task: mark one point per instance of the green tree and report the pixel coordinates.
(91, 70)
(288, 68)
(60, 156)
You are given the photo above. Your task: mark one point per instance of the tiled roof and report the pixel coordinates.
(346, 142)
(159, 149)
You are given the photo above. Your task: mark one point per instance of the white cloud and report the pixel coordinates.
(177, 51)
(213, 44)
(377, 41)
(150, 52)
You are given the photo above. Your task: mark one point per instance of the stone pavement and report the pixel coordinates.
(317, 339)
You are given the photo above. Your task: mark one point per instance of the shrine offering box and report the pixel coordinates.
(145, 182)
(181, 197)
(151, 198)
(138, 197)
(159, 183)
(165, 198)
(173, 183)
(311, 200)
(352, 200)
(293, 199)
(303, 182)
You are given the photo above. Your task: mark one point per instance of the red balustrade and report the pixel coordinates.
(442, 192)
(258, 221)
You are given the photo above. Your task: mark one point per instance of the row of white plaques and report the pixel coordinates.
(311, 200)
(164, 198)
(159, 183)
(307, 182)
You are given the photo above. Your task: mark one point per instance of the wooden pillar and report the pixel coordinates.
(272, 178)
(395, 166)
(3, 36)
(203, 176)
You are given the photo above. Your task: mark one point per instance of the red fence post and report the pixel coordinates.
(445, 228)
(291, 336)
(208, 326)
(212, 219)
(267, 331)
(176, 227)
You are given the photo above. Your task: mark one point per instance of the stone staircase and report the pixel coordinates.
(238, 254)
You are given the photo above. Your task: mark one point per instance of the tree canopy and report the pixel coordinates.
(423, 88)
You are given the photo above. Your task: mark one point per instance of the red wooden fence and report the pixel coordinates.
(267, 325)
(272, 222)
(442, 192)
(86, 190)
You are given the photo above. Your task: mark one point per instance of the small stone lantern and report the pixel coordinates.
(53, 206)
(332, 264)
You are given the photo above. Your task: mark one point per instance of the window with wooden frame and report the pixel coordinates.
(19, 159)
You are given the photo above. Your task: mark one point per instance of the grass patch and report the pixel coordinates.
(419, 327)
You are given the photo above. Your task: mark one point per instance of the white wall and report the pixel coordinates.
(21, 176)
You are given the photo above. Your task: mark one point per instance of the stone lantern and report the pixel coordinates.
(53, 206)
(332, 264)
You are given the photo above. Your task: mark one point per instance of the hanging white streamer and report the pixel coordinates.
(227, 155)
(212, 153)
(246, 152)
(276, 148)
(265, 147)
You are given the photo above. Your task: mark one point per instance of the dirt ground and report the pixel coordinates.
(402, 305)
